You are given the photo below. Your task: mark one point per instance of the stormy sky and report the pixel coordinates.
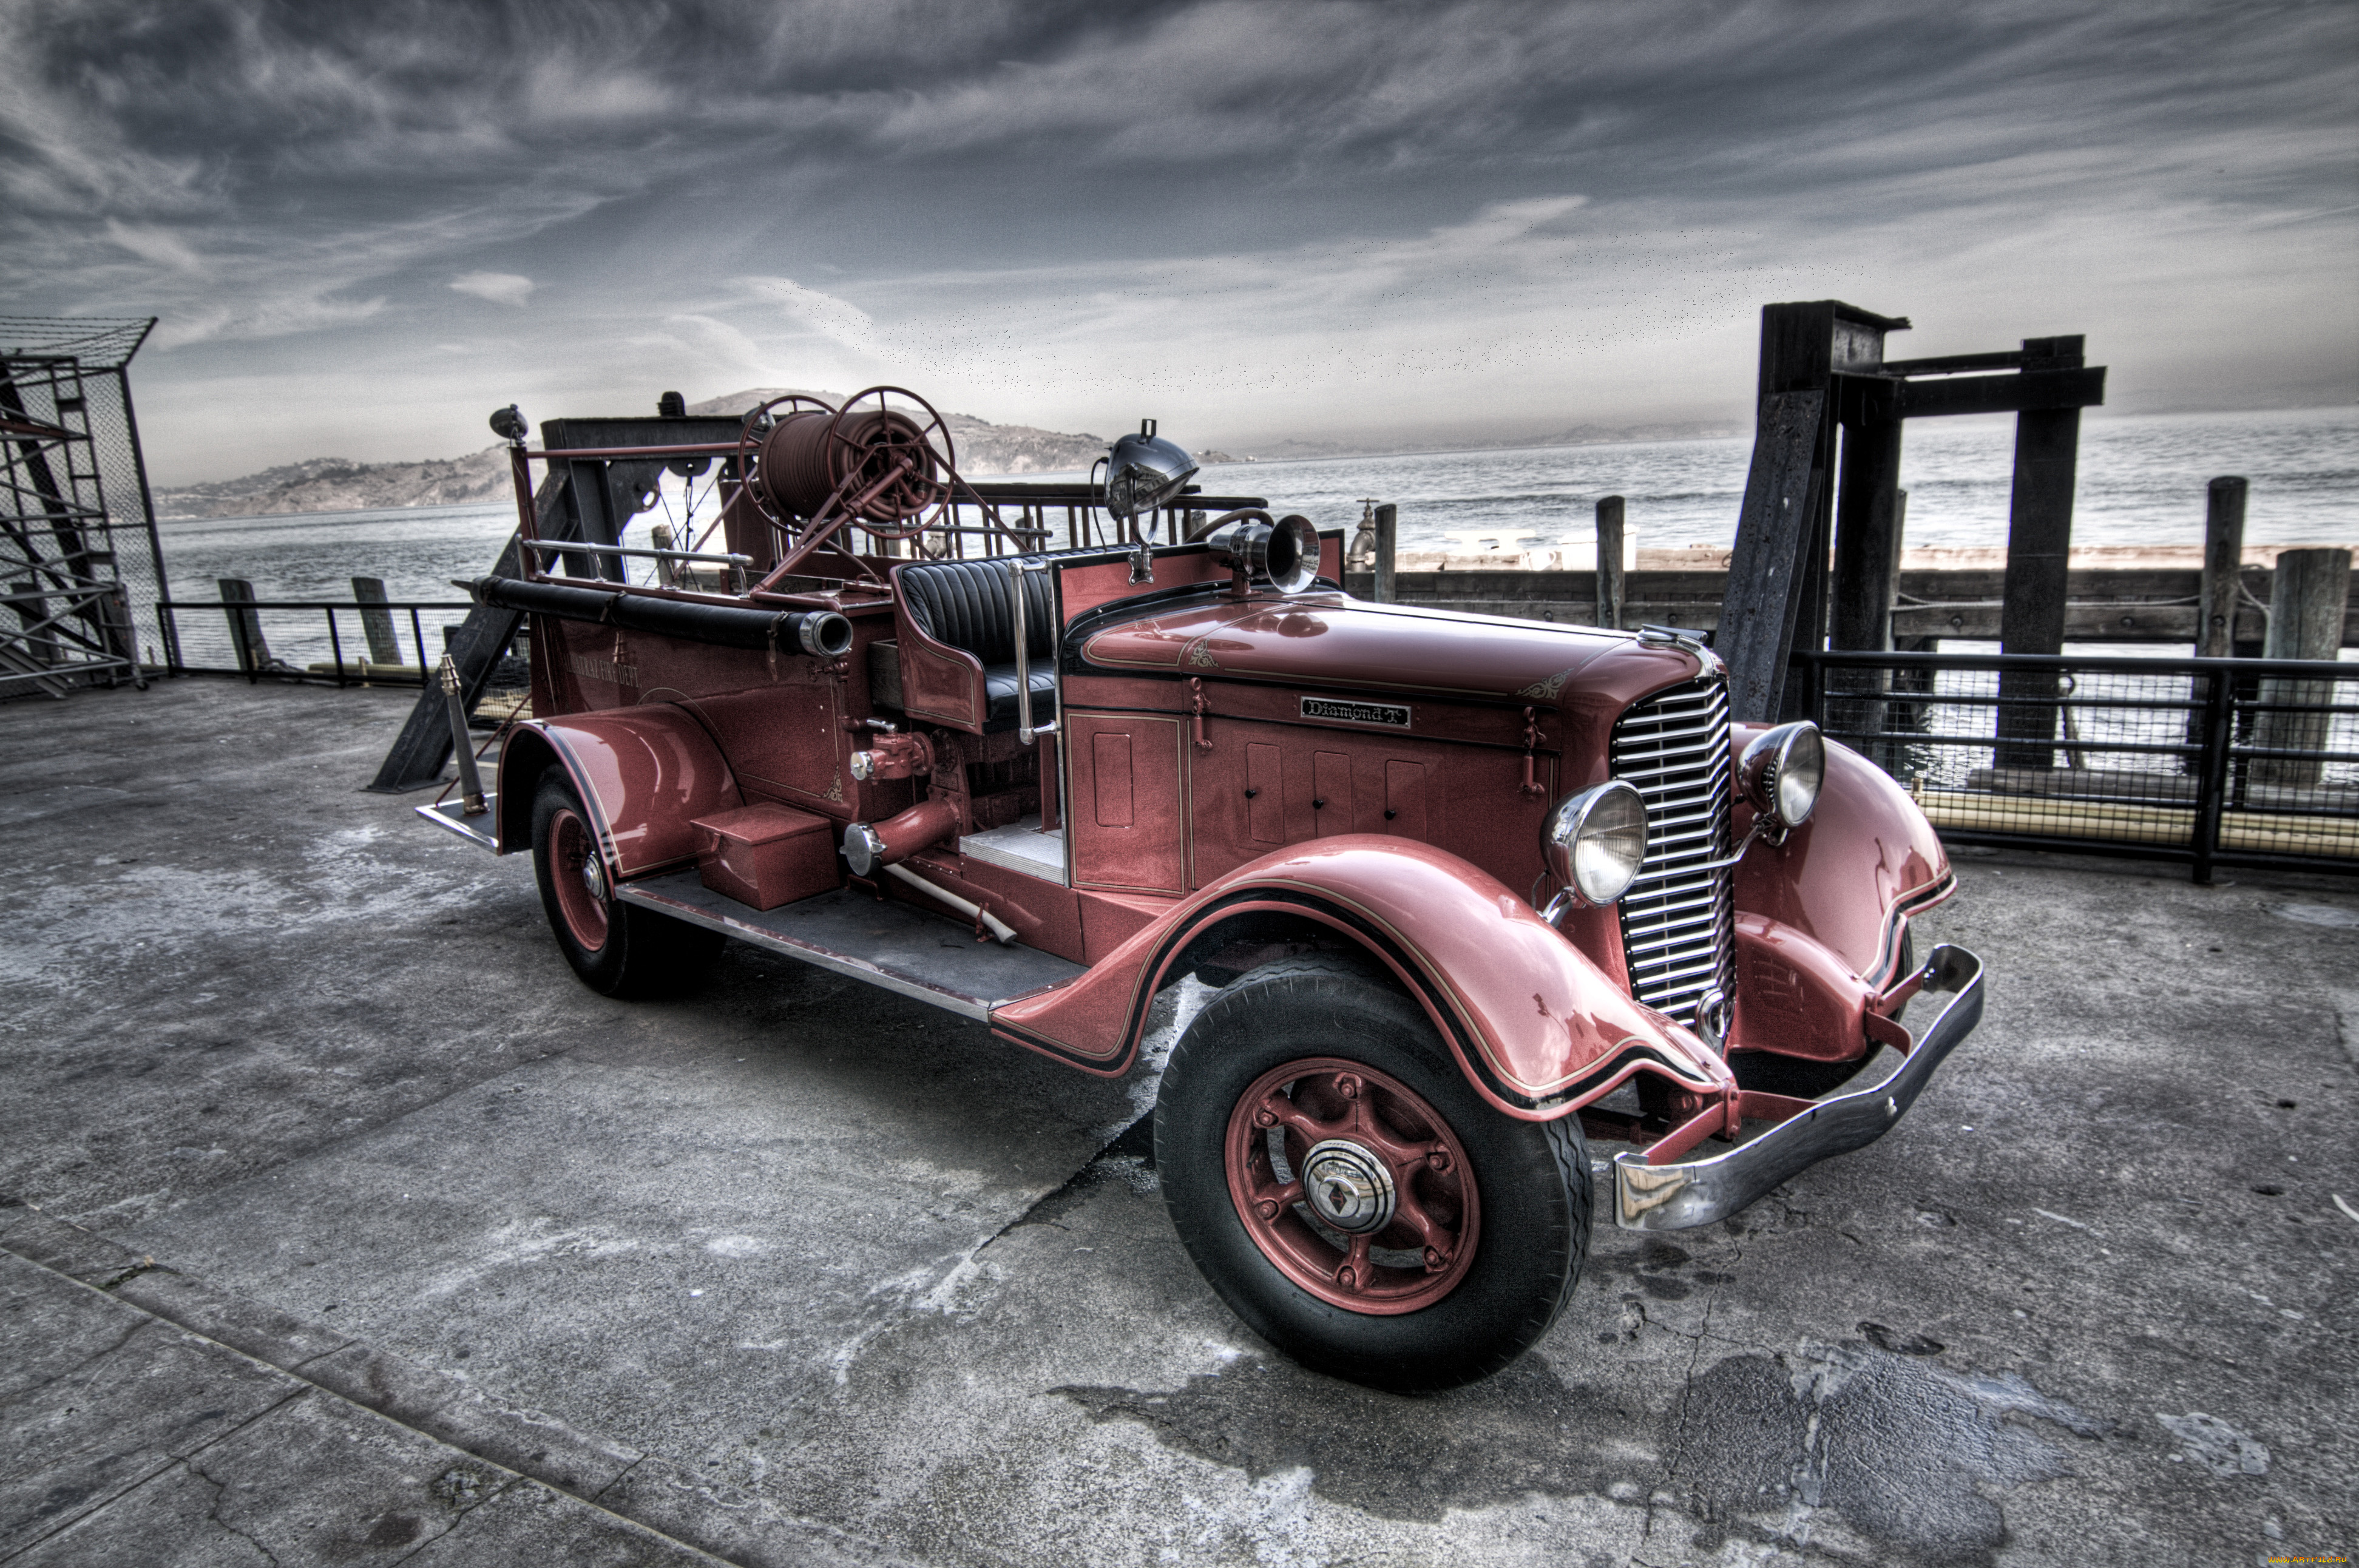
(365, 225)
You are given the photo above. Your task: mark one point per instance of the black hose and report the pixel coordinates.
(821, 632)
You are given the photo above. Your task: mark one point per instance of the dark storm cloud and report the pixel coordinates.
(1437, 193)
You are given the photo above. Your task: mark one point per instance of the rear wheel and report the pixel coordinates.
(1351, 1197)
(618, 949)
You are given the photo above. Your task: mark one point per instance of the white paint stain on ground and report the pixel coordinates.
(145, 913)
(1273, 1519)
(736, 1246)
(2318, 914)
(934, 1289)
(2215, 1445)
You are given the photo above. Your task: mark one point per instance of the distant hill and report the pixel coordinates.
(340, 484)
(982, 447)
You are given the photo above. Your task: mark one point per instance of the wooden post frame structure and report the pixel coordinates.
(1827, 395)
(591, 502)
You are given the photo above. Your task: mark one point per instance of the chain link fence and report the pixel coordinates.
(76, 498)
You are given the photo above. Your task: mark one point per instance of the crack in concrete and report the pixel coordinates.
(599, 1496)
(1687, 1391)
(932, 1289)
(86, 1362)
(136, 1270)
(212, 1510)
(1135, 1143)
(176, 1462)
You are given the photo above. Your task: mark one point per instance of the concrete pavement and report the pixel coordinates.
(789, 1270)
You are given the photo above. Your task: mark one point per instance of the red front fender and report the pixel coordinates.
(645, 773)
(1850, 877)
(1539, 1030)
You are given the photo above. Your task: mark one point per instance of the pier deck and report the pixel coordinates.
(338, 1222)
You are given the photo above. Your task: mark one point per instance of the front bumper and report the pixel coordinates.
(1698, 1192)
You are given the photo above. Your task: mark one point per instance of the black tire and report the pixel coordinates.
(616, 949)
(1766, 1073)
(1530, 1181)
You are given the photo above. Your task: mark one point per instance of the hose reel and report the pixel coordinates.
(889, 471)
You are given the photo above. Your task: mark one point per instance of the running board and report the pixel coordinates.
(895, 945)
(452, 817)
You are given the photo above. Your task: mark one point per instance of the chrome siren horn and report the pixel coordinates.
(1284, 554)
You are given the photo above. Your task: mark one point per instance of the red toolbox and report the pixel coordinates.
(767, 855)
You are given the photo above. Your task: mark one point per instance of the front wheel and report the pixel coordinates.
(617, 948)
(1351, 1197)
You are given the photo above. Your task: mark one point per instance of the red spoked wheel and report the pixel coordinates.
(1348, 1192)
(620, 949)
(579, 876)
(1352, 1185)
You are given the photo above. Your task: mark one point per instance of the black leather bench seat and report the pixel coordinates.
(999, 689)
(968, 605)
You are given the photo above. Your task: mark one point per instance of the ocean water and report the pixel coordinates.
(2141, 481)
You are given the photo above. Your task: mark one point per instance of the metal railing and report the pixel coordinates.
(284, 645)
(986, 520)
(1011, 517)
(2207, 761)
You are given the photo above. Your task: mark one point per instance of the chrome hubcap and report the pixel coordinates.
(1348, 1187)
(594, 877)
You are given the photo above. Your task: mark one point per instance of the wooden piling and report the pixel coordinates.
(1867, 537)
(2038, 553)
(2308, 599)
(1769, 607)
(384, 642)
(1902, 715)
(245, 626)
(1387, 539)
(2039, 516)
(2223, 556)
(1609, 561)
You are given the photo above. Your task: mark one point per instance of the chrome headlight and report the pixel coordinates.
(1781, 772)
(1145, 470)
(1595, 842)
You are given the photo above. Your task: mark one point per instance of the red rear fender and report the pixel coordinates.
(1536, 1027)
(645, 773)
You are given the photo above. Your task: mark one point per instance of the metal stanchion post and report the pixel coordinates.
(470, 783)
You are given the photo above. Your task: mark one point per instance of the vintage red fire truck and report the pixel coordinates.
(1473, 892)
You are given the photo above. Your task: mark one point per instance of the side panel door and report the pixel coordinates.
(1263, 786)
(1124, 822)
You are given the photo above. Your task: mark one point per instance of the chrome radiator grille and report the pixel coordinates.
(1678, 920)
